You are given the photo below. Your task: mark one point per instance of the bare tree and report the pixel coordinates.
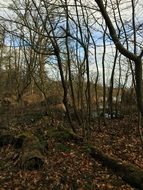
(134, 56)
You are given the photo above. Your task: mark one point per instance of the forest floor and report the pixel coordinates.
(67, 166)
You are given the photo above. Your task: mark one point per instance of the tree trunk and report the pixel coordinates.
(33, 152)
(129, 173)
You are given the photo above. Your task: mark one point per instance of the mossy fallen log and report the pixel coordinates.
(128, 172)
(131, 174)
(33, 153)
(63, 134)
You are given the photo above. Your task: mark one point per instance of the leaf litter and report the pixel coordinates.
(67, 166)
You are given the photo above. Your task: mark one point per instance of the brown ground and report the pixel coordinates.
(67, 166)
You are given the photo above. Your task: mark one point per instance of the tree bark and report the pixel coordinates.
(33, 152)
(128, 172)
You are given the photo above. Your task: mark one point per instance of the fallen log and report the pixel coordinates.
(63, 134)
(33, 153)
(128, 172)
(6, 139)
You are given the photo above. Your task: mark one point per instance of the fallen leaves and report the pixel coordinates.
(67, 166)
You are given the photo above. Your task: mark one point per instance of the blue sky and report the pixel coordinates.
(127, 14)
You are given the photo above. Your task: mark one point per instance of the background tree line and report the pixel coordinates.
(90, 55)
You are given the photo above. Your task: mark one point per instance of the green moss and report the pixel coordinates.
(36, 142)
(87, 148)
(61, 135)
(63, 148)
(26, 134)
